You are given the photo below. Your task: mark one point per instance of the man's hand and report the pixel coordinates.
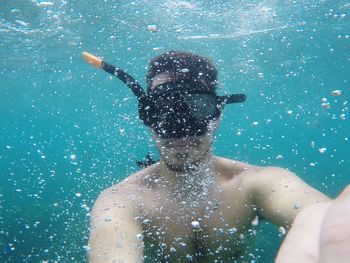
(320, 234)
(334, 241)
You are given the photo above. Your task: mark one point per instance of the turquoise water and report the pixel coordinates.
(68, 130)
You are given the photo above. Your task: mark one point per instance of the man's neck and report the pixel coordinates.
(197, 180)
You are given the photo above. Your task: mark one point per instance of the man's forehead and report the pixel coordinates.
(160, 79)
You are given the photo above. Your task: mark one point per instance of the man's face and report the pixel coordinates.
(185, 153)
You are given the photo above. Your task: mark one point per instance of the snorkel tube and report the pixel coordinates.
(130, 82)
(117, 72)
(136, 87)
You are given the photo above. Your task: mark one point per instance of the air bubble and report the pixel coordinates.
(282, 230)
(255, 221)
(86, 249)
(337, 92)
(196, 226)
(182, 245)
(326, 105)
(322, 150)
(279, 157)
(44, 4)
(232, 230)
(146, 221)
(152, 28)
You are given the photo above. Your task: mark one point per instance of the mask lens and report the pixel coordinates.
(179, 114)
(167, 104)
(201, 105)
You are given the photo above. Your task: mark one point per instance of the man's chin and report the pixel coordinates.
(178, 162)
(176, 167)
(183, 166)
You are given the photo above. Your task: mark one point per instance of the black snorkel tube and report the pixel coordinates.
(130, 82)
(136, 87)
(117, 72)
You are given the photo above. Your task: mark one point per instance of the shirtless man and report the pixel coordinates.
(191, 206)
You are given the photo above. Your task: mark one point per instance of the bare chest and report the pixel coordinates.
(196, 230)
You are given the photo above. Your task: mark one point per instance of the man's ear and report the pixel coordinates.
(155, 137)
(215, 124)
(218, 121)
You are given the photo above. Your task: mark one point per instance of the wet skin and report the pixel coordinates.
(152, 212)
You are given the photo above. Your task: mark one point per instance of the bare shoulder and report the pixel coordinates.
(251, 176)
(268, 176)
(108, 200)
(235, 169)
(271, 172)
(114, 225)
(275, 171)
(126, 191)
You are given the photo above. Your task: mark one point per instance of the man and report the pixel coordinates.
(191, 206)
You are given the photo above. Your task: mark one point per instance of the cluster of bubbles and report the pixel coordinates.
(327, 105)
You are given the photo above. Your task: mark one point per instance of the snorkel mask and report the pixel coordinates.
(175, 109)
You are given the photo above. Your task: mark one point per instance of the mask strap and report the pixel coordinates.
(233, 98)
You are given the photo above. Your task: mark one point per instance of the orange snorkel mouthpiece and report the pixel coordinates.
(92, 60)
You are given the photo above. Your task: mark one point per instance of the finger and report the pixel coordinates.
(335, 231)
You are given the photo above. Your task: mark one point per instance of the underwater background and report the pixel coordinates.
(68, 130)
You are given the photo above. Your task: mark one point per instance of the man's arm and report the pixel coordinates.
(280, 195)
(115, 233)
(320, 234)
